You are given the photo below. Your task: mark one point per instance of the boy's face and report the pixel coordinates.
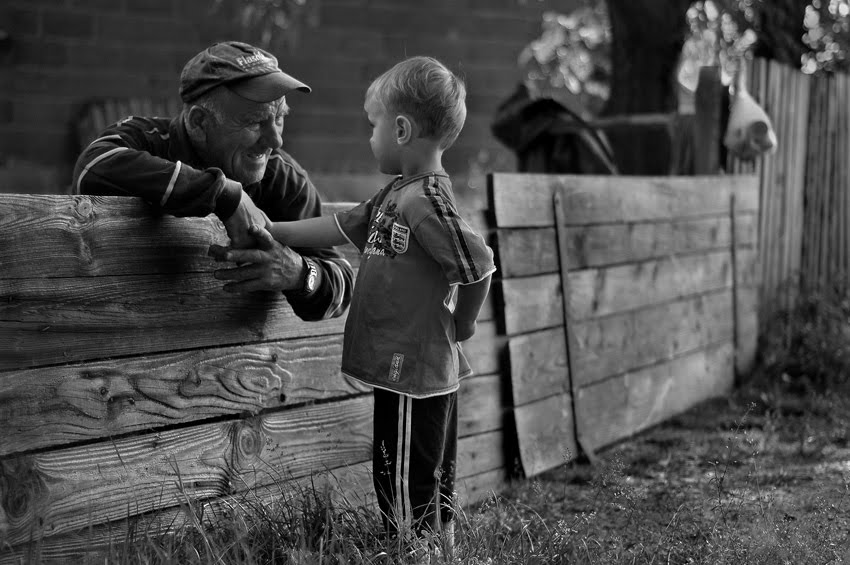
(384, 143)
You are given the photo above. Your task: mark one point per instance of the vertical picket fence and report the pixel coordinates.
(805, 206)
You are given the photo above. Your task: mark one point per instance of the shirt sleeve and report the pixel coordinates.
(463, 254)
(291, 195)
(127, 159)
(354, 223)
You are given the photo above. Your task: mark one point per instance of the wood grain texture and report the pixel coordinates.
(344, 488)
(637, 338)
(60, 491)
(66, 404)
(481, 405)
(534, 303)
(524, 200)
(546, 433)
(538, 366)
(49, 321)
(533, 251)
(348, 487)
(599, 292)
(619, 407)
(61, 236)
(480, 453)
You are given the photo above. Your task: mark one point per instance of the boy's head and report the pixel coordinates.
(424, 91)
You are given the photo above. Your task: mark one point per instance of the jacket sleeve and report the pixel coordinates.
(293, 196)
(128, 159)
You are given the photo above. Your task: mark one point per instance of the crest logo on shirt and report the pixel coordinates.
(399, 238)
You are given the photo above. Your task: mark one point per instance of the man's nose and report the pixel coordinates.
(272, 135)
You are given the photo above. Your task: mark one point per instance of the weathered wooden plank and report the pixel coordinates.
(480, 453)
(484, 350)
(534, 303)
(49, 321)
(348, 487)
(598, 292)
(343, 488)
(533, 251)
(84, 236)
(481, 405)
(66, 404)
(619, 407)
(748, 329)
(622, 342)
(546, 433)
(522, 199)
(60, 491)
(538, 366)
(475, 489)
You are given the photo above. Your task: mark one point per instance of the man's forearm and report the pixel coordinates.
(333, 294)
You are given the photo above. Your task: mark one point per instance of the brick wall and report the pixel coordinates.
(61, 53)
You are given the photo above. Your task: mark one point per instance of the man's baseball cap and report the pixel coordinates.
(248, 71)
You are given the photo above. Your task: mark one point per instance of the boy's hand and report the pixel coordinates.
(464, 329)
(239, 224)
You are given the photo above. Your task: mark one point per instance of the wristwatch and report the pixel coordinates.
(311, 279)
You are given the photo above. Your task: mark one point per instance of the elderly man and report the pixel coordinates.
(223, 155)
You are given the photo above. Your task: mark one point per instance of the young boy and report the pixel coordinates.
(418, 255)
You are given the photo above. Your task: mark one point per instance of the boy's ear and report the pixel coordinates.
(404, 129)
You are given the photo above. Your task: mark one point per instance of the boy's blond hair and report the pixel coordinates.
(424, 89)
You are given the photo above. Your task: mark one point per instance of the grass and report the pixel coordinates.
(760, 477)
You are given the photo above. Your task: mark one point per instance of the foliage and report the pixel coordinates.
(268, 22)
(573, 50)
(808, 343)
(828, 35)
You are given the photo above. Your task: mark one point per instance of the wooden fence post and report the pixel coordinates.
(561, 232)
(707, 134)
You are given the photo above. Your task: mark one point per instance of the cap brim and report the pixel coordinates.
(267, 88)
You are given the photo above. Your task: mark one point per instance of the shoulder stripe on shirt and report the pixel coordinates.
(466, 263)
(171, 183)
(94, 162)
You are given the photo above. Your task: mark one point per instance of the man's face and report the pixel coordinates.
(242, 142)
(383, 141)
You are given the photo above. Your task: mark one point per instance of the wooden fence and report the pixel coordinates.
(626, 300)
(805, 185)
(134, 391)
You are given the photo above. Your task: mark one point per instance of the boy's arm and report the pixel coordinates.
(312, 232)
(470, 298)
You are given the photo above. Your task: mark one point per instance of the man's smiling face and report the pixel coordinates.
(242, 139)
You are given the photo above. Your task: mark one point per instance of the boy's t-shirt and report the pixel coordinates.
(400, 333)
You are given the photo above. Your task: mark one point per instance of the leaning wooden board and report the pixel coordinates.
(659, 272)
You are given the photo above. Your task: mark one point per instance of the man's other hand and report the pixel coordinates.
(239, 223)
(268, 266)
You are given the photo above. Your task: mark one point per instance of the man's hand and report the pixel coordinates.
(238, 224)
(268, 266)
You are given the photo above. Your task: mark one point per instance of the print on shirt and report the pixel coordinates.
(382, 238)
(395, 367)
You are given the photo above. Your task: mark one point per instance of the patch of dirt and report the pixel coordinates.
(758, 477)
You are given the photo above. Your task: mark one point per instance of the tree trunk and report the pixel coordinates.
(647, 40)
(780, 31)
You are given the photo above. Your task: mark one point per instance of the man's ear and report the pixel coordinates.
(196, 119)
(404, 130)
